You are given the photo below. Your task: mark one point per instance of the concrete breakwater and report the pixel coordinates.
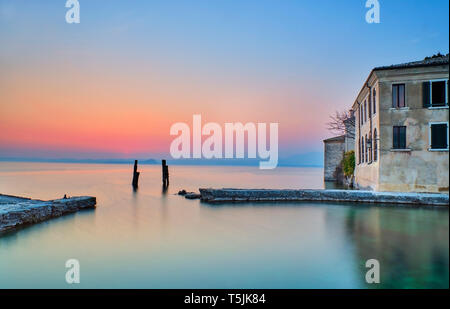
(18, 211)
(272, 195)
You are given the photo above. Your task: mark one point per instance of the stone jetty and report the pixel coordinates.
(271, 195)
(18, 211)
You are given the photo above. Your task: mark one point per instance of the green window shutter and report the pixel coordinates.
(439, 136)
(394, 96)
(399, 137)
(426, 94)
(395, 138)
(402, 138)
(401, 96)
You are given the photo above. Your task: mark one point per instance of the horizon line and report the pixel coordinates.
(151, 161)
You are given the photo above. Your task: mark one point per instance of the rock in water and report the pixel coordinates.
(192, 195)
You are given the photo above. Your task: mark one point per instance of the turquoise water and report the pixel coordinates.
(156, 239)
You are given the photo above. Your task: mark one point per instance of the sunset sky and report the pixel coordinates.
(113, 85)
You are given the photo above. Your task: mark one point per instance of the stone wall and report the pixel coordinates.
(333, 154)
(268, 195)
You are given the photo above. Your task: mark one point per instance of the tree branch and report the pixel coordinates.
(342, 123)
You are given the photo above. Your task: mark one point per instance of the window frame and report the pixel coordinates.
(404, 96)
(374, 98)
(393, 138)
(361, 119)
(429, 136)
(359, 152)
(431, 93)
(362, 149)
(365, 110)
(375, 145)
(366, 150)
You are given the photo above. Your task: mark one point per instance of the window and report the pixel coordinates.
(438, 93)
(365, 111)
(435, 93)
(369, 145)
(360, 114)
(398, 96)
(399, 137)
(366, 151)
(439, 136)
(362, 149)
(370, 106)
(374, 98)
(359, 152)
(375, 145)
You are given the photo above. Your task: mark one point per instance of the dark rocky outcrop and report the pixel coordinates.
(182, 192)
(189, 195)
(192, 195)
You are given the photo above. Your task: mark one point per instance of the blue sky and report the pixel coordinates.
(293, 62)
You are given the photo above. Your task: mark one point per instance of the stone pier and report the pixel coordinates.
(338, 196)
(18, 211)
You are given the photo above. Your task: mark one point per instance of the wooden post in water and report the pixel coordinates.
(165, 173)
(135, 175)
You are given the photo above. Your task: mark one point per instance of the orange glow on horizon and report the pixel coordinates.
(126, 116)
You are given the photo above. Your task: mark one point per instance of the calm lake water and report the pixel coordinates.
(156, 239)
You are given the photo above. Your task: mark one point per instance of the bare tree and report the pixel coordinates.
(342, 123)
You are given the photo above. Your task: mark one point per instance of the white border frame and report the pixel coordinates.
(431, 94)
(429, 135)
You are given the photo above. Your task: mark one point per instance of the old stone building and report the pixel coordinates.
(333, 154)
(335, 147)
(402, 132)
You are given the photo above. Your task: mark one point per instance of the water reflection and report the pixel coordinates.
(153, 238)
(411, 245)
(164, 189)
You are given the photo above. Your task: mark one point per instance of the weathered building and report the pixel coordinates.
(402, 128)
(334, 149)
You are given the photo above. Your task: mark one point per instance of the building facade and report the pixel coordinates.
(402, 128)
(334, 149)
